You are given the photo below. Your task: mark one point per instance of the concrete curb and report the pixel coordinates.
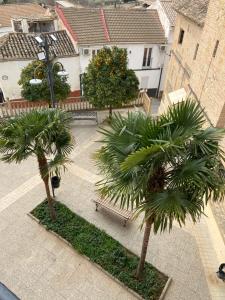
(164, 291)
(166, 287)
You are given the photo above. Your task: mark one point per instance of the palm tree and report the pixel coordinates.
(167, 168)
(43, 133)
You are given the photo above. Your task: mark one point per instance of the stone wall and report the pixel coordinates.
(208, 80)
(204, 76)
(181, 60)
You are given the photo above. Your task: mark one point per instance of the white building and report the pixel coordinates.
(167, 16)
(26, 17)
(17, 50)
(138, 30)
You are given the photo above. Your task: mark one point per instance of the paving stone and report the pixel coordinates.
(32, 257)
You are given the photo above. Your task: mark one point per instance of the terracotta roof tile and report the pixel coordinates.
(86, 24)
(169, 10)
(22, 46)
(8, 11)
(138, 26)
(122, 26)
(195, 10)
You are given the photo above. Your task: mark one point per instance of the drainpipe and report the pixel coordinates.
(160, 78)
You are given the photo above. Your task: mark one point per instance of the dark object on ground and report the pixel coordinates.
(102, 249)
(6, 294)
(220, 273)
(55, 181)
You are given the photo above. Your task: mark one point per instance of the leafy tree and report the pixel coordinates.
(108, 81)
(42, 91)
(43, 133)
(167, 168)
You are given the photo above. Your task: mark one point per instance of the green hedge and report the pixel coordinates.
(102, 249)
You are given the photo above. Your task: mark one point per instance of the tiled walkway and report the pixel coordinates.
(36, 265)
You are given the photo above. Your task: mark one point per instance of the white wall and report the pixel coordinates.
(162, 16)
(12, 69)
(5, 30)
(135, 54)
(72, 66)
(169, 30)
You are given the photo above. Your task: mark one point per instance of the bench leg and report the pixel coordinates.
(124, 223)
(96, 206)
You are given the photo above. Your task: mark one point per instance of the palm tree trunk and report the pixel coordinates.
(110, 112)
(49, 198)
(140, 268)
(43, 167)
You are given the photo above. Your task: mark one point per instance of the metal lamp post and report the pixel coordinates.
(43, 43)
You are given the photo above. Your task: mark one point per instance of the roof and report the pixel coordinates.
(23, 46)
(169, 10)
(8, 11)
(192, 9)
(137, 26)
(147, 2)
(64, 3)
(110, 26)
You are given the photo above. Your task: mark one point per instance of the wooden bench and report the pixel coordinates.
(123, 213)
(85, 115)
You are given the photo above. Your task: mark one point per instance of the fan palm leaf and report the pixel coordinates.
(42, 133)
(166, 168)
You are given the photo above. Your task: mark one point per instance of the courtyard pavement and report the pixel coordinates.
(36, 265)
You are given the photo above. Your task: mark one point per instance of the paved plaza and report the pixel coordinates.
(36, 265)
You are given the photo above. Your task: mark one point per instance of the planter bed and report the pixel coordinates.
(102, 249)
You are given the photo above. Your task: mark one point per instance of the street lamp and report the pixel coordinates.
(44, 56)
(35, 81)
(61, 73)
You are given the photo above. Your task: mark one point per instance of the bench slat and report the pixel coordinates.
(126, 214)
(85, 115)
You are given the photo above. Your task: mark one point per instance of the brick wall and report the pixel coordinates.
(23, 103)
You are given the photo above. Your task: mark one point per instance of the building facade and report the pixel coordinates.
(139, 31)
(197, 62)
(17, 50)
(26, 18)
(167, 16)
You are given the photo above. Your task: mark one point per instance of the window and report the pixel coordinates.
(147, 59)
(215, 48)
(1, 96)
(17, 26)
(196, 51)
(181, 36)
(94, 52)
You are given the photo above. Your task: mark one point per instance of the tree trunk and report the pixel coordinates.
(49, 198)
(140, 268)
(43, 167)
(110, 112)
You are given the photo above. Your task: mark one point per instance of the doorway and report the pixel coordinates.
(1, 97)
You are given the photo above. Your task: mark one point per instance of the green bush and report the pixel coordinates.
(102, 249)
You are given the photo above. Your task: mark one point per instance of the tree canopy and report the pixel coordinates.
(42, 91)
(41, 133)
(166, 168)
(108, 81)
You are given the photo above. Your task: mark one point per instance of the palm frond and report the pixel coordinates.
(45, 131)
(167, 168)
